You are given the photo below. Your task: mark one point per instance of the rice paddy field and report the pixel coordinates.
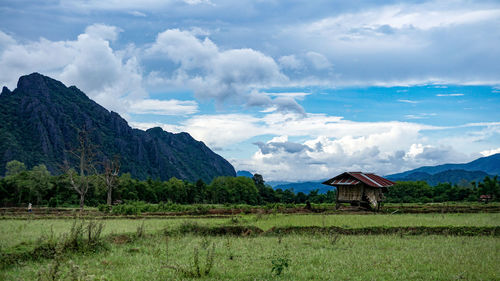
(172, 248)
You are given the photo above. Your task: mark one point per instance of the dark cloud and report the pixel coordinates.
(288, 147)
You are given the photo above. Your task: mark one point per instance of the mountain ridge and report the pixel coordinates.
(488, 164)
(41, 119)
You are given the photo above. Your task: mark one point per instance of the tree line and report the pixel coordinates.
(38, 186)
(421, 192)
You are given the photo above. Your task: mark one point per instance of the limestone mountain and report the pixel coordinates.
(41, 118)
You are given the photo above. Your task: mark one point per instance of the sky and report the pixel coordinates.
(293, 90)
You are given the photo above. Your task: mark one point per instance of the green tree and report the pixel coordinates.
(490, 186)
(40, 182)
(14, 167)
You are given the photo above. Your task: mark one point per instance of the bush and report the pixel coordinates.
(104, 208)
(53, 202)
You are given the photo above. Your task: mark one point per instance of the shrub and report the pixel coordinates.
(53, 202)
(105, 208)
(195, 269)
(279, 264)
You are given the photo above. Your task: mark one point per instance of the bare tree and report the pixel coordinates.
(111, 170)
(85, 154)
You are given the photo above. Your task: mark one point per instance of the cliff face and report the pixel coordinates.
(39, 123)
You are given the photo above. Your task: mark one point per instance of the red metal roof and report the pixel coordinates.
(353, 178)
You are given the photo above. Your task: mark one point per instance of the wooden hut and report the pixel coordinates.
(361, 189)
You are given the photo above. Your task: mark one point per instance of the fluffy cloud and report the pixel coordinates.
(318, 61)
(112, 78)
(323, 156)
(401, 44)
(164, 107)
(318, 145)
(490, 152)
(229, 75)
(5, 40)
(290, 62)
(282, 103)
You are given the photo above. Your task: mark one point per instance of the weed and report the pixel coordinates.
(195, 270)
(94, 231)
(235, 220)
(279, 264)
(52, 271)
(204, 242)
(333, 238)
(167, 240)
(229, 250)
(140, 232)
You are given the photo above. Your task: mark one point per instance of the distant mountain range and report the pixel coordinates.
(489, 165)
(453, 173)
(41, 118)
(450, 176)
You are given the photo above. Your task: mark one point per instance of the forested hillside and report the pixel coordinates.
(42, 120)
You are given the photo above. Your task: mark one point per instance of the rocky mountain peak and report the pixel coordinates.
(41, 120)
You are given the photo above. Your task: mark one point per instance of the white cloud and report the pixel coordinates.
(102, 31)
(164, 107)
(402, 44)
(449, 95)
(330, 144)
(5, 40)
(323, 157)
(490, 152)
(148, 125)
(198, 2)
(229, 129)
(123, 5)
(420, 115)
(290, 62)
(318, 61)
(110, 77)
(408, 101)
(137, 14)
(295, 95)
(229, 75)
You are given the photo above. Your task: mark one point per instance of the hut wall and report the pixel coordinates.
(350, 192)
(374, 196)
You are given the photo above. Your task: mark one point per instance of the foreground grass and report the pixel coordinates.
(311, 257)
(14, 232)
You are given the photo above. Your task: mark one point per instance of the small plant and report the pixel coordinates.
(75, 272)
(235, 220)
(105, 208)
(195, 269)
(205, 242)
(167, 240)
(333, 238)
(228, 249)
(52, 271)
(279, 264)
(94, 231)
(140, 232)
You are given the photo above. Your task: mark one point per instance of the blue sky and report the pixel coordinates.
(294, 90)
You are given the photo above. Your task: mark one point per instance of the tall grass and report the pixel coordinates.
(310, 257)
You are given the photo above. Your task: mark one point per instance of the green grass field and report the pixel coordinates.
(381, 257)
(13, 232)
(309, 256)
